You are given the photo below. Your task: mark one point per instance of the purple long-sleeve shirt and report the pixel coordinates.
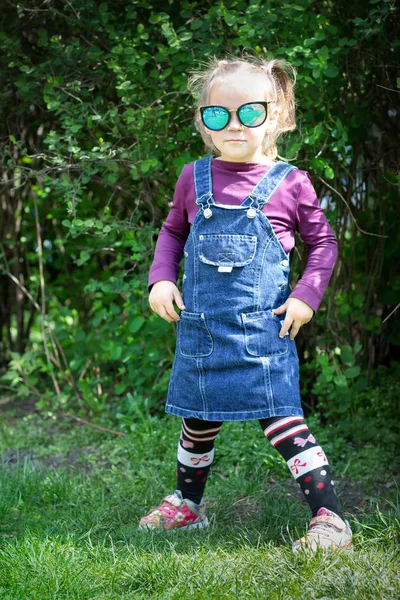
(293, 207)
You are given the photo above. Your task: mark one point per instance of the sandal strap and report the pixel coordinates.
(172, 499)
(334, 522)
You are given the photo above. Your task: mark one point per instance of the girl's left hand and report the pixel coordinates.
(297, 314)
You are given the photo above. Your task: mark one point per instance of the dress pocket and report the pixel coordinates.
(262, 334)
(227, 250)
(194, 337)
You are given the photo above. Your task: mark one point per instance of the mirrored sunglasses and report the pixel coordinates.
(251, 114)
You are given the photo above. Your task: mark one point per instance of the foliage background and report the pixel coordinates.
(96, 124)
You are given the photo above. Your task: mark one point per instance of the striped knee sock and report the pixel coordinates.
(195, 456)
(306, 460)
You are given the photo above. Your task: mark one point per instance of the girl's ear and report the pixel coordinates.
(272, 120)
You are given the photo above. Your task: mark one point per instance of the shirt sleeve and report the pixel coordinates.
(316, 233)
(172, 237)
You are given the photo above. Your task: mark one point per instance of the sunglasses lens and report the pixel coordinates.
(252, 115)
(215, 117)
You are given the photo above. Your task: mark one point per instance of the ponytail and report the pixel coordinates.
(283, 78)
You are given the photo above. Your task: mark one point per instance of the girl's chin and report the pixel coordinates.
(239, 156)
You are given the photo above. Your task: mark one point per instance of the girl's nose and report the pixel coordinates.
(234, 122)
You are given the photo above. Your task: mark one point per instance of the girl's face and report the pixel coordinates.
(236, 142)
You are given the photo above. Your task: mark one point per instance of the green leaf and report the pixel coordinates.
(331, 71)
(111, 178)
(75, 364)
(323, 52)
(344, 309)
(145, 165)
(230, 19)
(359, 300)
(121, 387)
(154, 19)
(116, 352)
(196, 24)
(316, 72)
(84, 257)
(344, 405)
(185, 36)
(43, 39)
(26, 69)
(309, 42)
(360, 385)
(340, 381)
(332, 29)
(115, 309)
(136, 324)
(347, 355)
(352, 372)
(329, 173)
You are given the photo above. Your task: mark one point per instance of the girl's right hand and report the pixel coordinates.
(162, 295)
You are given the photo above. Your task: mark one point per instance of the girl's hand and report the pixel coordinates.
(162, 295)
(297, 314)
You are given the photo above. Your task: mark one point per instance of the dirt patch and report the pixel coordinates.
(355, 497)
(76, 460)
(19, 406)
(245, 509)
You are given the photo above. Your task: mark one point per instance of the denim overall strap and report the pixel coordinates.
(268, 185)
(203, 182)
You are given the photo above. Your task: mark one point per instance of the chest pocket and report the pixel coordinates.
(227, 251)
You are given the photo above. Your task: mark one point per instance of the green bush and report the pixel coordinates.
(97, 125)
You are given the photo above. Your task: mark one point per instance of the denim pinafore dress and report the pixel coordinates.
(230, 363)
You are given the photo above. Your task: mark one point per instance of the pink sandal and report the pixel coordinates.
(176, 512)
(327, 532)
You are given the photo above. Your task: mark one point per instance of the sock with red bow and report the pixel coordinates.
(195, 456)
(306, 460)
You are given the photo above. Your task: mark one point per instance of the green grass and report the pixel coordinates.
(71, 498)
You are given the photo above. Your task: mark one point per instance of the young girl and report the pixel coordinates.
(233, 217)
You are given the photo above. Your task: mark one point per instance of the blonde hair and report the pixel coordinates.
(280, 79)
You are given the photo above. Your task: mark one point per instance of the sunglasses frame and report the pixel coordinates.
(236, 110)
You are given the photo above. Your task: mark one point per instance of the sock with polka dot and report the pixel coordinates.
(195, 456)
(306, 460)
